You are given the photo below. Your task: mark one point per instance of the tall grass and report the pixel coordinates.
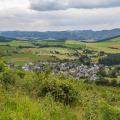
(22, 102)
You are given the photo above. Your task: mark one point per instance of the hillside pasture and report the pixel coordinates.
(50, 43)
(109, 46)
(75, 44)
(60, 53)
(25, 55)
(52, 50)
(17, 43)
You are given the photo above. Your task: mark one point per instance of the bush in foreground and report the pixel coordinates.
(61, 91)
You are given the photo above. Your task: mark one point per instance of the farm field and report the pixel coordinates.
(16, 43)
(110, 46)
(21, 52)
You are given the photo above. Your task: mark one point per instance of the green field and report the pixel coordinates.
(51, 50)
(110, 46)
(17, 43)
(23, 55)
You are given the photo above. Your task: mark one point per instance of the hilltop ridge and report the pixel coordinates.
(87, 35)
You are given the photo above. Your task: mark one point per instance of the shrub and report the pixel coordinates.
(102, 72)
(61, 91)
(102, 82)
(114, 83)
(113, 73)
(105, 82)
(7, 79)
(111, 59)
(85, 59)
(2, 66)
(21, 74)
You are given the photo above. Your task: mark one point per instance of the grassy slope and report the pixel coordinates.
(17, 106)
(106, 45)
(65, 49)
(16, 43)
(96, 103)
(26, 55)
(20, 43)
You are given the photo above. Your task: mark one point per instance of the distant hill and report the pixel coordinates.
(88, 35)
(5, 39)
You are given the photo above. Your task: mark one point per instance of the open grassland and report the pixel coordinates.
(17, 43)
(109, 46)
(20, 59)
(49, 50)
(25, 55)
(50, 43)
(20, 43)
(21, 101)
(74, 44)
(21, 51)
(61, 53)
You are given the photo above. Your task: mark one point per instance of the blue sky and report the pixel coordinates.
(57, 15)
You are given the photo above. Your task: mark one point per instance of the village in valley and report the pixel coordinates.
(59, 59)
(82, 68)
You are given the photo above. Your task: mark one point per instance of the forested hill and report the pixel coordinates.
(5, 39)
(77, 35)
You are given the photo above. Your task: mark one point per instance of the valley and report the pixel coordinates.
(54, 79)
(59, 59)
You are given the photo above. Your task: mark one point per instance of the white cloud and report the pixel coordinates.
(49, 5)
(17, 15)
(10, 4)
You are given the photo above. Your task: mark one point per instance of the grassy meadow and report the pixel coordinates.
(110, 46)
(22, 51)
(21, 100)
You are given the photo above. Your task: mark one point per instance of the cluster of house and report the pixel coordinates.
(68, 69)
(78, 71)
(30, 67)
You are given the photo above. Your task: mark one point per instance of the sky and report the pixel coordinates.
(59, 15)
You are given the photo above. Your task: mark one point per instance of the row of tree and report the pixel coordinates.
(112, 59)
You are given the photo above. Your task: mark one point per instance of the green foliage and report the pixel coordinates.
(112, 59)
(33, 96)
(3, 66)
(105, 82)
(113, 73)
(22, 107)
(21, 74)
(108, 46)
(7, 78)
(102, 81)
(60, 90)
(109, 112)
(84, 59)
(102, 73)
